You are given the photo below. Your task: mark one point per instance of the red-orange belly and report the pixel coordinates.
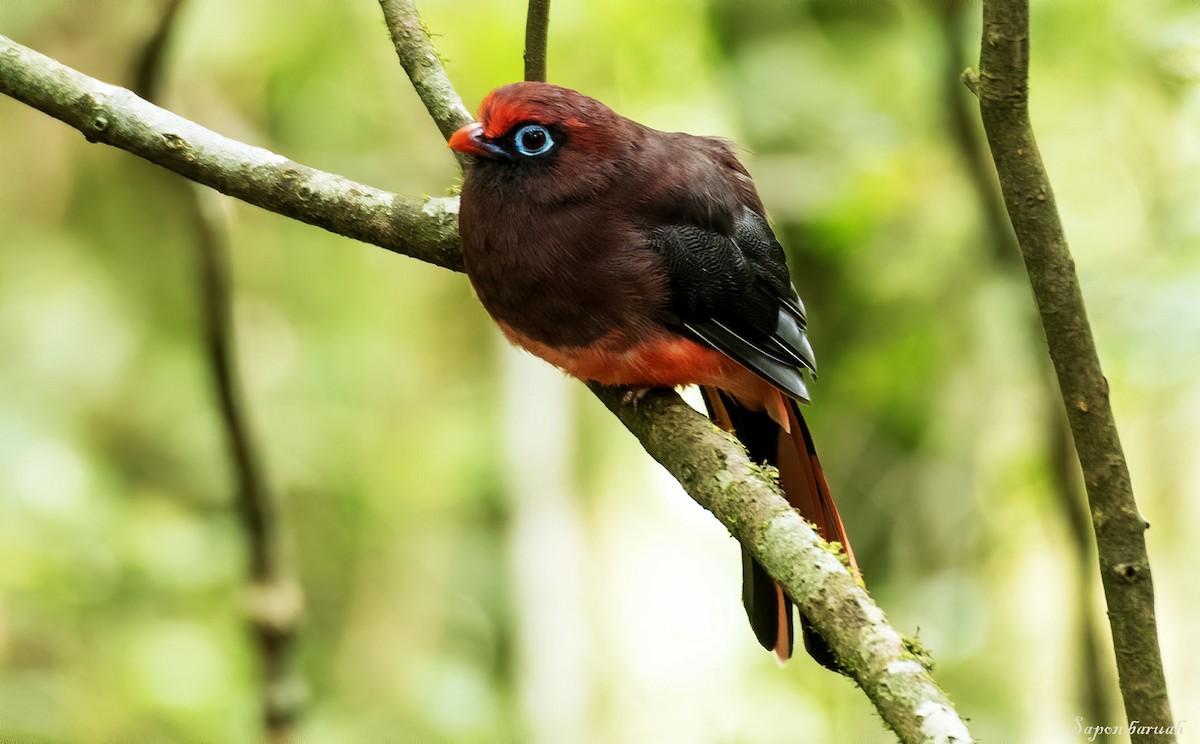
(662, 360)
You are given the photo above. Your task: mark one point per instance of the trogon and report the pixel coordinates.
(631, 256)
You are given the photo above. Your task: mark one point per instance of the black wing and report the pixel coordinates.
(733, 293)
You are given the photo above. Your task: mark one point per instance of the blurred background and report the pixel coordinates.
(486, 554)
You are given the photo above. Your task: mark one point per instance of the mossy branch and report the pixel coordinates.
(1002, 87)
(426, 228)
(710, 464)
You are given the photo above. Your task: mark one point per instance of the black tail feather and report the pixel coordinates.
(803, 482)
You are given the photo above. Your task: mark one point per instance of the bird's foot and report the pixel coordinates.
(633, 396)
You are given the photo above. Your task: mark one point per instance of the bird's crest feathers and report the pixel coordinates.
(507, 106)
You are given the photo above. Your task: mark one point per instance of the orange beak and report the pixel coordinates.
(471, 140)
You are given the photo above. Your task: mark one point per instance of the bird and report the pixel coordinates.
(630, 256)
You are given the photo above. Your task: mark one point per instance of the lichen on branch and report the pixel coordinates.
(426, 229)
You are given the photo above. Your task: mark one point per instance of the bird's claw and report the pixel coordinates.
(633, 396)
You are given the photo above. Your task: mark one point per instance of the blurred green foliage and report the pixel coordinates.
(444, 602)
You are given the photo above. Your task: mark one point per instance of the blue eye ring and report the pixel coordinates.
(532, 140)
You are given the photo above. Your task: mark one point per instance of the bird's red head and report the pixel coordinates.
(555, 141)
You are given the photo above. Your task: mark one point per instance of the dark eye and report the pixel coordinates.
(533, 139)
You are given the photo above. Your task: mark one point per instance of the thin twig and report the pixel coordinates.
(274, 600)
(711, 466)
(537, 31)
(1002, 87)
(1092, 674)
(149, 68)
(423, 66)
(964, 126)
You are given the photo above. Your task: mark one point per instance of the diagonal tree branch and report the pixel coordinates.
(426, 229)
(1094, 688)
(1002, 86)
(712, 466)
(423, 66)
(273, 599)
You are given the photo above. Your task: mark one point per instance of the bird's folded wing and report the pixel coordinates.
(733, 293)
